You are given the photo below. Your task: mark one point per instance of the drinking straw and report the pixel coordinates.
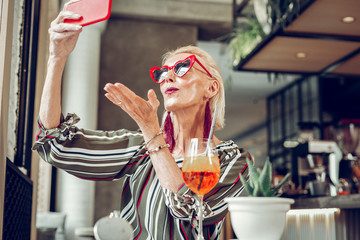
(207, 150)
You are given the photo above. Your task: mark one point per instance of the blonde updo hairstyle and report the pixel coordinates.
(210, 64)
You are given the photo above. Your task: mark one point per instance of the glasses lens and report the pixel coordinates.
(160, 74)
(182, 67)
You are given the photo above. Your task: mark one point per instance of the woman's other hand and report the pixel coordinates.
(63, 36)
(143, 112)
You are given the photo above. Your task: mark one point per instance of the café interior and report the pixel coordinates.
(291, 70)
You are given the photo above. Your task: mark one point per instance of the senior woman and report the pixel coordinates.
(155, 199)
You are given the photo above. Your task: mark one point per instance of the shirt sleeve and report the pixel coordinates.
(90, 154)
(182, 204)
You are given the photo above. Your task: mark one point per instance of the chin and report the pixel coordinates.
(173, 104)
(171, 107)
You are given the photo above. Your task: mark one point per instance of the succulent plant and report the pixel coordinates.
(259, 184)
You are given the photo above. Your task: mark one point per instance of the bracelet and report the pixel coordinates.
(158, 148)
(159, 133)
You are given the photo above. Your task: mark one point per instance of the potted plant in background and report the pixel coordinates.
(264, 17)
(244, 40)
(262, 214)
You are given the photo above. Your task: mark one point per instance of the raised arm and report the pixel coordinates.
(63, 38)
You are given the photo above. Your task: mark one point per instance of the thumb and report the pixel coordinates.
(153, 100)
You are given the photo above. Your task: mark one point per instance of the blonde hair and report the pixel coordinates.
(210, 64)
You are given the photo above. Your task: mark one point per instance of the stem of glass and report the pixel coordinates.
(201, 214)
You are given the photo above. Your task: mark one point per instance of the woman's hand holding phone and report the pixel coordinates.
(65, 29)
(63, 36)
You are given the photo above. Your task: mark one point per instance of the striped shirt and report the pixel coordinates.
(153, 211)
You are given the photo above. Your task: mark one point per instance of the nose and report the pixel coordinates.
(170, 76)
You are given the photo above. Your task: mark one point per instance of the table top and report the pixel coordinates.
(341, 201)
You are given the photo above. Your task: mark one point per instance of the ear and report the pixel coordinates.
(213, 89)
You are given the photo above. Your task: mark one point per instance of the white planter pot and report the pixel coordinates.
(258, 218)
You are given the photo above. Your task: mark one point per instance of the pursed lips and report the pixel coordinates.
(171, 90)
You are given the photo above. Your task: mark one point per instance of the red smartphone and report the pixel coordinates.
(91, 11)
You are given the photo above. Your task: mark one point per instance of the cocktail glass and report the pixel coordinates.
(201, 171)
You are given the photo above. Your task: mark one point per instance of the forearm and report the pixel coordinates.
(167, 170)
(50, 105)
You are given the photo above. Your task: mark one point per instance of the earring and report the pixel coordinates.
(207, 120)
(169, 132)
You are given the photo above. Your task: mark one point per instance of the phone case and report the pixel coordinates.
(92, 11)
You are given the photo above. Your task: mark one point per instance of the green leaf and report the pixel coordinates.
(273, 191)
(247, 186)
(254, 174)
(257, 190)
(265, 177)
(269, 194)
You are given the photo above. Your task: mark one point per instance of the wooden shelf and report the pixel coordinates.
(343, 202)
(327, 43)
